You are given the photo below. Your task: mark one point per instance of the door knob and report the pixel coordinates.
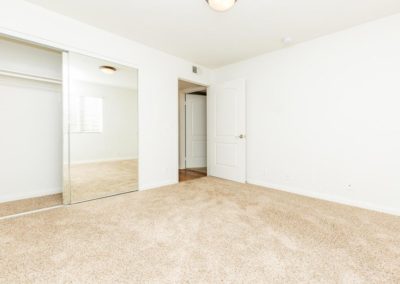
(241, 136)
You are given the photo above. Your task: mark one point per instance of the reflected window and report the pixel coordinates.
(87, 115)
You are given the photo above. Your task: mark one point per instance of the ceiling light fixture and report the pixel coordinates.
(108, 69)
(221, 5)
(287, 40)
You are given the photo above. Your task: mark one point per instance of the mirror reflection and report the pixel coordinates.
(103, 128)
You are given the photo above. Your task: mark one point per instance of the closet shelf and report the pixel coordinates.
(29, 77)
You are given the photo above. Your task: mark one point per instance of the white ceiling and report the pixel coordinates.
(85, 68)
(191, 30)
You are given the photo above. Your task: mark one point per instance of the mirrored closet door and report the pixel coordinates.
(101, 143)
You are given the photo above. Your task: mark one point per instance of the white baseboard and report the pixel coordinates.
(104, 160)
(156, 184)
(336, 199)
(29, 194)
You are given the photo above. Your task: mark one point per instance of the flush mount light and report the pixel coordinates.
(287, 40)
(108, 69)
(221, 5)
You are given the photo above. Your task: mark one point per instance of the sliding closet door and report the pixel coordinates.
(31, 130)
(103, 128)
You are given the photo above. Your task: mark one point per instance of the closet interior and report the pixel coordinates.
(31, 124)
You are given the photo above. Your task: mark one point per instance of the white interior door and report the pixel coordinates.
(227, 130)
(196, 131)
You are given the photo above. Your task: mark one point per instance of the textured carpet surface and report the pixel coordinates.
(30, 204)
(97, 180)
(202, 231)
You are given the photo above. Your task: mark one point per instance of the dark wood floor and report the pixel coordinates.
(189, 174)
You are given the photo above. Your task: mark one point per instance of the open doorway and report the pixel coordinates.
(192, 131)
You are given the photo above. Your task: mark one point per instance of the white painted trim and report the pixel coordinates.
(16, 197)
(331, 198)
(60, 46)
(194, 89)
(191, 81)
(182, 127)
(65, 126)
(156, 185)
(104, 160)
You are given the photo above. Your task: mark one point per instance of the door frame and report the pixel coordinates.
(182, 120)
(203, 87)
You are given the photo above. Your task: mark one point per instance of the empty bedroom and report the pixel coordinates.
(200, 141)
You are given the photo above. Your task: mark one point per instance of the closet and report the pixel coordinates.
(31, 127)
(69, 127)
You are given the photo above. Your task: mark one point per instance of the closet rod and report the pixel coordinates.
(29, 77)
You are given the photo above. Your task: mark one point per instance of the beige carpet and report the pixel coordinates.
(202, 231)
(96, 180)
(30, 204)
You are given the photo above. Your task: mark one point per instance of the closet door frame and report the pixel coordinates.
(66, 182)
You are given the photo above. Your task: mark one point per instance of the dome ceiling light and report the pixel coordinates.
(221, 5)
(108, 69)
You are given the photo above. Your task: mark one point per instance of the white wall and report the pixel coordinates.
(118, 140)
(158, 79)
(323, 117)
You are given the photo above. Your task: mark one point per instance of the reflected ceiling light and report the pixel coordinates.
(108, 69)
(221, 5)
(287, 40)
